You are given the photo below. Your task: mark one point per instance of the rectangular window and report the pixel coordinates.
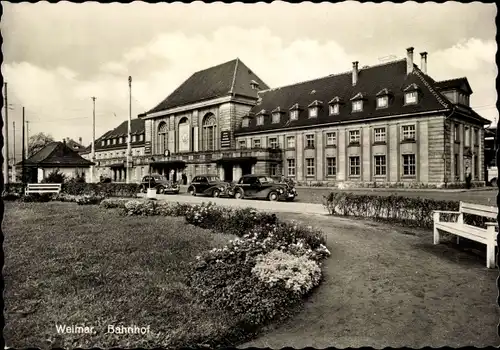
(357, 106)
(273, 142)
(294, 115)
(334, 109)
(456, 133)
(411, 97)
(457, 166)
(313, 112)
(354, 166)
(382, 102)
(134, 138)
(243, 144)
(331, 166)
(409, 132)
(260, 120)
(467, 136)
(290, 142)
(354, 136)
(244, 122)
(141, 137)
(310, 166)
(273, 169)
(276, 118)
(103, 143)
(476, 137)
(256, 143)
(380, 134)
(331, 137)
(380, 165)
(291, 167)
(409, 165)
(310, 141)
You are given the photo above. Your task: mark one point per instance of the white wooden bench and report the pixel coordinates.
(43, 188)
(486, 236)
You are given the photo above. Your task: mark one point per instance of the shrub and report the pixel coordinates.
(37, 197)
(101, 189)
(55, 177)
(297, 273)
(88, 200)
(110, 203)
(415, 212)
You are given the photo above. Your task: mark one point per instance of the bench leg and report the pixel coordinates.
(490, 256)
(436, 232)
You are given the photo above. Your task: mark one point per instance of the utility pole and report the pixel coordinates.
(6, 139)
(14, 152)
(129, 137)
(27, 138)
(92, 154)
(23, 175)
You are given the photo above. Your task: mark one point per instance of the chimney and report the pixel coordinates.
(80, 140)
(409, 60)
(423, 64)
(354, 72)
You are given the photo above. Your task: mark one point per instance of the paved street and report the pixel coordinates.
(287, 207)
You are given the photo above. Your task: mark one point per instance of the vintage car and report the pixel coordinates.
(160, 182)
(210, 185)
(263, 187)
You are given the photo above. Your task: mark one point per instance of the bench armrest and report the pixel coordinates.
(491, 223)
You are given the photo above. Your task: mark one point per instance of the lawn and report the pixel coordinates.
(81, 265)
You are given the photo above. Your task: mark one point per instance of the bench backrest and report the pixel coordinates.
(479, 210)
(44, 187)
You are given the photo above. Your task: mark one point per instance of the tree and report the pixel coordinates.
(37, 142)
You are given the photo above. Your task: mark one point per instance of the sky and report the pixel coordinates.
(58, 56)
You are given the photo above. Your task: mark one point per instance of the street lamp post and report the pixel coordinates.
(129, 147)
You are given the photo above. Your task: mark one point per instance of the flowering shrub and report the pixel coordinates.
(239, 277)
(298, 273)
(109, 203)
(88, 200)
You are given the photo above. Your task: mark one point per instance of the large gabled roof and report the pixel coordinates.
(371, 80)
(56, 154)
(232, 77)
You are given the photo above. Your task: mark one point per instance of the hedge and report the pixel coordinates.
(415, 212)
(81, 188)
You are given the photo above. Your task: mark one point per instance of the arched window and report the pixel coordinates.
(209, 132)
(183, 141)
(162, 145)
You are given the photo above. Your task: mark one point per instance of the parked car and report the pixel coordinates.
(210, 185)
(492, 176)
(263, 187)
(160, 182)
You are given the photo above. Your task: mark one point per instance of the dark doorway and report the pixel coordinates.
(246, 169)
(228, 172)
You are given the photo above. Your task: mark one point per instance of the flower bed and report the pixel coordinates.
(259, 276)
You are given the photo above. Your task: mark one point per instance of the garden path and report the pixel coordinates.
(383, 286)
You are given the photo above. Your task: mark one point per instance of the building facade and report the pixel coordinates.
(111, 153)
(388, 123)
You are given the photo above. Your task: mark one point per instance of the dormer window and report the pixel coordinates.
(141, 137)
(245, 122)
(103, 143)
(314, 108)
(411, 98)
(357, 106)
(294, 112)
(275, 118)
(313, 112)
(108, 141)
(334, 109)
(254, 85)
(260, 120)
(411, 94)
(382, 102)
(114, 141)
(357, 102)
